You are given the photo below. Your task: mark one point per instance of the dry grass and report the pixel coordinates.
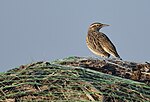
(43, 81)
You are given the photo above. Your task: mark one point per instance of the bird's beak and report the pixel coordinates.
(104, 25)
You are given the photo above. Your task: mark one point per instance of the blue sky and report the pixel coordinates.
(45, 30)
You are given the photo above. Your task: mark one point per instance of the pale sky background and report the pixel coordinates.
(46, 30)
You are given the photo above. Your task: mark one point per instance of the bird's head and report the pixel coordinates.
(97, 26)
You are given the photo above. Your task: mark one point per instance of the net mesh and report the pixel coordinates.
(53, 82)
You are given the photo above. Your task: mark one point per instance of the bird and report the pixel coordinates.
(99, 43)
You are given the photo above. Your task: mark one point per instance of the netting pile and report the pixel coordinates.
(52, 82)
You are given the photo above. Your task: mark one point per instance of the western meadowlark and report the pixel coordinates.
(99, 43)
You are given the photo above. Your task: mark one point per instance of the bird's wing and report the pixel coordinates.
(107, 45)
(95, 44)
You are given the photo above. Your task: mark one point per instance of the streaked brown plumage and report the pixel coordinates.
(99, 43)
